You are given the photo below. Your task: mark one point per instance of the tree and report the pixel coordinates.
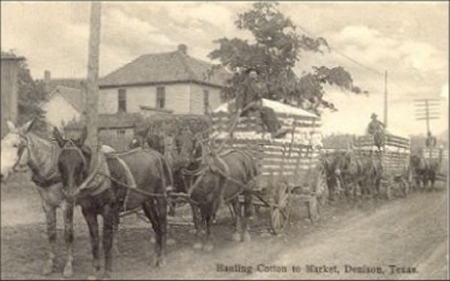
(274, 52)
(31, 94)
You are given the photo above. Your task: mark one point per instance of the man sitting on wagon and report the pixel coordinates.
(249, 98)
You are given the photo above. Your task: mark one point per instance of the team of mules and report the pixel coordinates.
(353, 175)
(67, 172)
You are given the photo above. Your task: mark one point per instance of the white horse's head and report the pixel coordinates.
(14, 151)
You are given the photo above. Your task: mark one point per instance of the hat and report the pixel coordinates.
(373, 115)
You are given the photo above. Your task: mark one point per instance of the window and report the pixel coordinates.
(160, 97)
(121, 132)
(205, 101)
(122, 101)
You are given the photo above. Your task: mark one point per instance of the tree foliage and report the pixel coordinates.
(31, 94)
(275, 50)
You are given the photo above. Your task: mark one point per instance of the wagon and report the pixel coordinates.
(396, 176)
(289, 168)
(441, 156)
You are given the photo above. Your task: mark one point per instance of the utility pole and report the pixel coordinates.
(91, 99)
(427, 109)
(385, 99)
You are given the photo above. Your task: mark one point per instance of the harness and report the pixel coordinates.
(209, 165)
(42, 180)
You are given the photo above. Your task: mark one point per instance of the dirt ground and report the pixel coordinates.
(408, 233)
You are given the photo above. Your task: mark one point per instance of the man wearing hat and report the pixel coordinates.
(376, 129)
(249, 98)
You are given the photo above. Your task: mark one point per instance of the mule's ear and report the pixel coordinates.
(83, 137)
(27, 126)
(11, 127)
(58, 137)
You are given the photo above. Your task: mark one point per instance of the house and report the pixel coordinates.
(64, 100)
(9, 89)
(63, 105)
(171, 82)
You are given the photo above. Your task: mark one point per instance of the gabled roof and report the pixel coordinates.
(165, 68)
(76, 83)
(73, 96)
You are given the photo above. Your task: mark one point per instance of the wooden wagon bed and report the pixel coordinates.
(289, 168)
(394, 159)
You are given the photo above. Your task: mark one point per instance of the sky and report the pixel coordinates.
(409, 40)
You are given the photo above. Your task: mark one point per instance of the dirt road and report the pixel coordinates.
(404, 236)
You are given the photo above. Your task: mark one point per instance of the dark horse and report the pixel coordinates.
(361, 174)
(107, 184)
(331, 163)
(424, 171)
(219, 179)
(178, 161)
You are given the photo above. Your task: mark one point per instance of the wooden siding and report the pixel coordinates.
(197, 102)
(177, 98)
(59, 111)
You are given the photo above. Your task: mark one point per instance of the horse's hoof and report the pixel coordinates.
(198, 246)
(47, 268)
(171, 241)
(106, 275)
(236, 237)
(246, 237)
(208, 247)
(153, 240)
(160, 262)
(68, 271)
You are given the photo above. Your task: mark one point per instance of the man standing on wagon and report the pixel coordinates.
(376, 129)
(249, 98)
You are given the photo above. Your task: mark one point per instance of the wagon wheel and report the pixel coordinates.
(280, 210)
(319, 197)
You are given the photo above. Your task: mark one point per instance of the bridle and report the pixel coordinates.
(70, 145)
(24, 145)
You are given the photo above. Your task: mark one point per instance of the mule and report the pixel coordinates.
(219, 179)
(331, 164)
(424, 171)
(361, 174)
(107, 184)
(178, 162)
(21, 148)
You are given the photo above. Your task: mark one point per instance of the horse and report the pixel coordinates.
(424, 171)
(219, 178)
(331, 164)
(180, 158)
(107, 184)
(361, 174)
(22, 148)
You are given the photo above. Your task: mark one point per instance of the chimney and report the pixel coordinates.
(182, 48)
(47, 78)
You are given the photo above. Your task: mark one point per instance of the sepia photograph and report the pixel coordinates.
(263, 140)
